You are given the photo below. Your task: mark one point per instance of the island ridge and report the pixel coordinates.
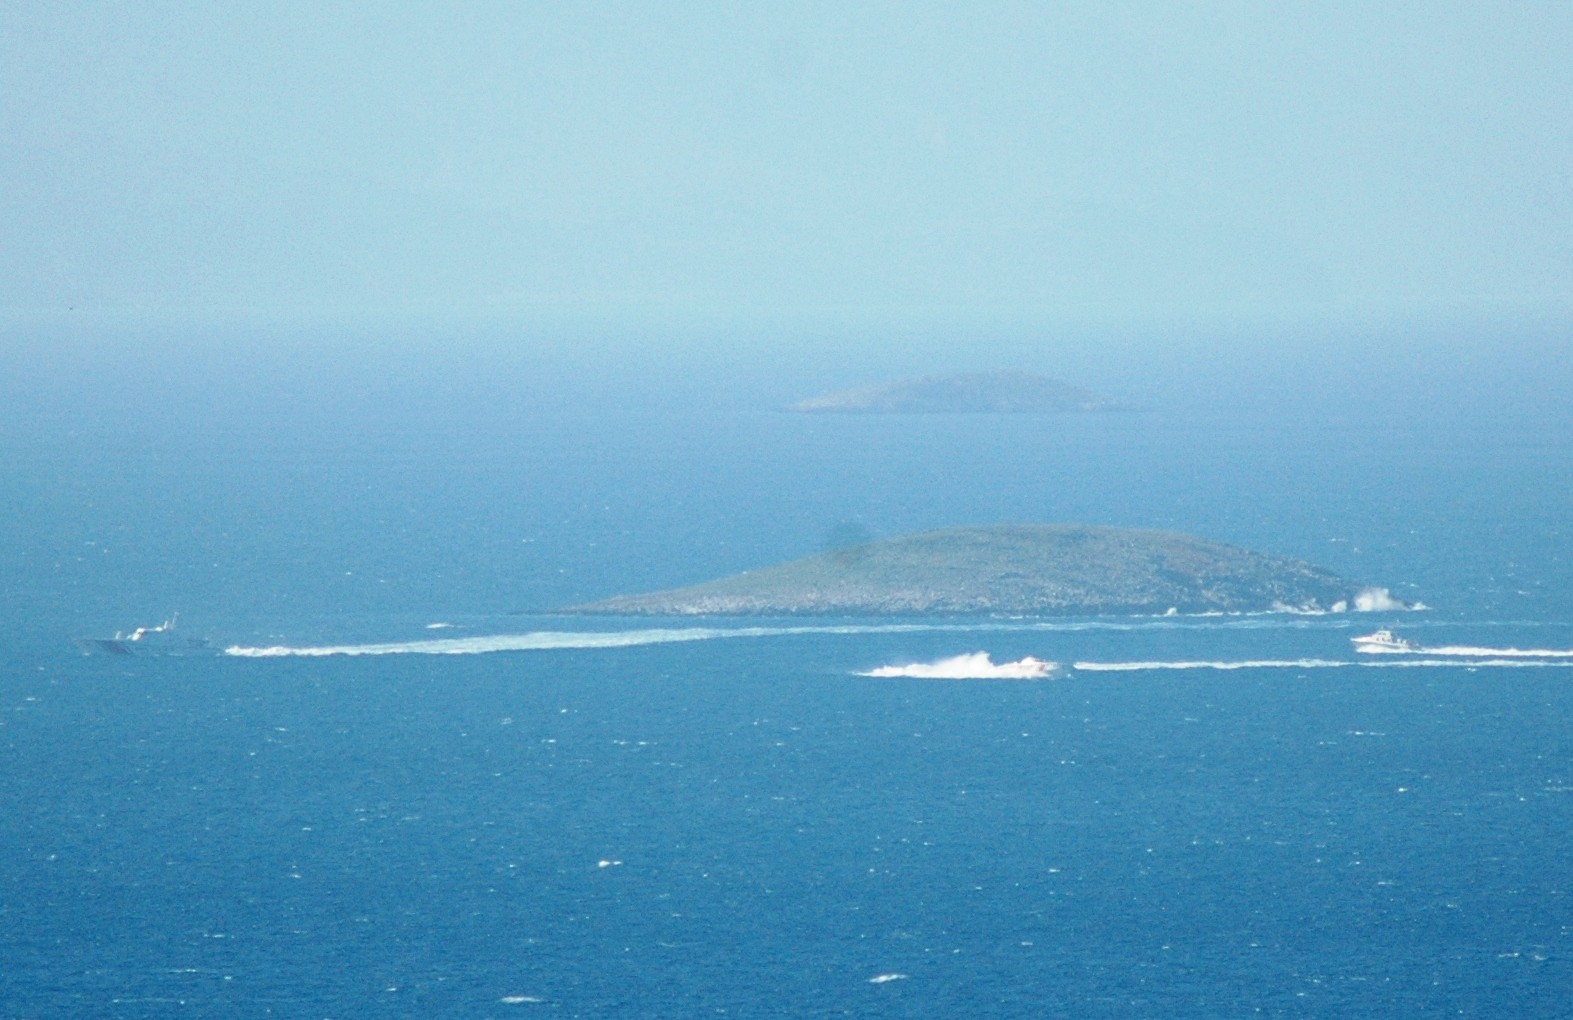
(1028, 569)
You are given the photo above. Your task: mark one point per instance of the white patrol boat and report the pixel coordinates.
(1383, 642)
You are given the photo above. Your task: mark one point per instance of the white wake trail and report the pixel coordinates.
(1404, 663)
(972, 666)
(540, 640)
(1385, 642)
(1132, 667)
(555, 639)
(1473, 651)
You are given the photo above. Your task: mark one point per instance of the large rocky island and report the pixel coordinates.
(966, 393)
(1042, 570)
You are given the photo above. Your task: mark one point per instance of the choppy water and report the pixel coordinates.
(1193, 818)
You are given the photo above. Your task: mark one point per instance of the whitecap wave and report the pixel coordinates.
(1366, 600)
(971, 666)
(1380, 600)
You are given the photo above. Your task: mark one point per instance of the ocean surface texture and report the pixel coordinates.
(411, 790)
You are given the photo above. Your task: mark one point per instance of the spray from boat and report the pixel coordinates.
(972, 666)
(1385, 642)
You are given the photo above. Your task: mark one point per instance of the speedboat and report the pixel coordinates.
(1383, 642)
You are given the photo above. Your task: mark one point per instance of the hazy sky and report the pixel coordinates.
(1089, 162)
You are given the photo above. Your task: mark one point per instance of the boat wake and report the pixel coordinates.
(1382, 649)
(1406, 663)
(541, 640)
(972, 666)
(1385, 642)
(570, 639)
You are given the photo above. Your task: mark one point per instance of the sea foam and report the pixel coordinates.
(1380, 600)
(972, 666)
(569, 639)
(1478, 652)
(1228, 664)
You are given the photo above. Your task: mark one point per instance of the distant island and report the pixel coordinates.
(1039, 570)
(968, 393)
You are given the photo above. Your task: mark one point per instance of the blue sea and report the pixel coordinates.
(496, 810)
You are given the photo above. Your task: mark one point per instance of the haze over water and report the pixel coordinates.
(340, 329)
